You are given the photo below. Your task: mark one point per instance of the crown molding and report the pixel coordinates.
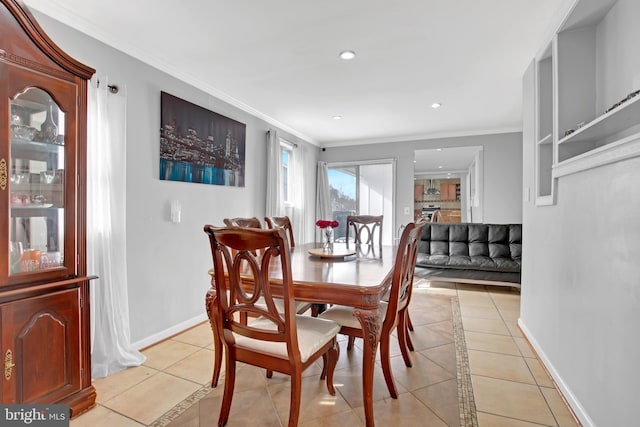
(55, 10)
(423, 137)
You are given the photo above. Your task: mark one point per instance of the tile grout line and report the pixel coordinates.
(553, 382)
(529, 368)
(119, 413)
(525, 362)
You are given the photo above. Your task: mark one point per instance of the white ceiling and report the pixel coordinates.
(279, 60)
(440, 161)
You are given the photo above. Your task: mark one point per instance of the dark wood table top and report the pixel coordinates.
(359, 280)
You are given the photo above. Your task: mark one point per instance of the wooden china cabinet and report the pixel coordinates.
(44, 287)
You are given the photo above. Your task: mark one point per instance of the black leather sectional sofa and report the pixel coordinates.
(471, 253)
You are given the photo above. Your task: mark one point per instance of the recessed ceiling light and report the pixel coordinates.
(438, 149)
(336, 117)
(347, 55)
(439, 167)
(436, 105)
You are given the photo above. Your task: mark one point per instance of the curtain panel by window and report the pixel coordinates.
(274, 205)
(323, 199)
(295, 211)
(111, 349)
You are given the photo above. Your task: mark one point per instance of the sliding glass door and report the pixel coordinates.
(362, 189)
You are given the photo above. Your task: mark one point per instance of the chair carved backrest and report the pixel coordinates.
(365, 230)
(241, 280)
(283, 222)
(252, 222)
(403, 270)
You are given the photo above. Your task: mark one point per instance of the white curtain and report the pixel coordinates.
(274, 175)
(323, 199)
(296, 211)
(111, 349)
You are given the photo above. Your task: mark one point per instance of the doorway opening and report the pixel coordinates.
(448, 184)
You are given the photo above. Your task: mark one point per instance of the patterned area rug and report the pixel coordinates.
(466, 404)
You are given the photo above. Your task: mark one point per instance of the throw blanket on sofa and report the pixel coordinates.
(472, 252)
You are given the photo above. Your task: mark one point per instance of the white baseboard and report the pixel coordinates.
(162, 335)
(571, 399)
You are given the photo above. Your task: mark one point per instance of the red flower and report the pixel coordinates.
(324, 223)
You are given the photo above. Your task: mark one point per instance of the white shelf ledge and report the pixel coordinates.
(546, 140)
(623, 149)
(622, 117)
(547, 200)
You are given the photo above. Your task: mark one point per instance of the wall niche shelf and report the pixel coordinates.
(576, 128)
(619, 119)
(623, 149)
(546, 140)
(544, 155)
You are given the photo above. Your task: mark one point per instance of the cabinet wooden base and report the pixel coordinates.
(82, 401)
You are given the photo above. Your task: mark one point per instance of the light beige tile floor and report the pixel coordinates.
(510, 386)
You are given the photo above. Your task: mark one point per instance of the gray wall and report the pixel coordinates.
(168, 263)
(580, 303)
(502, 171)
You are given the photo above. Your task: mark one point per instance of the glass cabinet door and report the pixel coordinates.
(36, 183)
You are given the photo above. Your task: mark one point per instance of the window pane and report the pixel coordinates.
(342, 192)
(362, 190)
(375, 195)
(285, 175)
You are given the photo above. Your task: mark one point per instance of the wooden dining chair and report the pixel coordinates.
(281, 342)
(395, 308)
(365, 230)
(252, 222)
(249, 222)
(284, 222)
(408, 323)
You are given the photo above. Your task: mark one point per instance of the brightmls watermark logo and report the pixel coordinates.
(34, 415)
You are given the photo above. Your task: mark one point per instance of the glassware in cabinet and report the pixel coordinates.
(36, 183)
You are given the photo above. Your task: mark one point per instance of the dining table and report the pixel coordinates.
(352, 276)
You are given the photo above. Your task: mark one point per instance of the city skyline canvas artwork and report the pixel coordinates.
(198, 145)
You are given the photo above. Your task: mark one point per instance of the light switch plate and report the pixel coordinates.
(176, 211)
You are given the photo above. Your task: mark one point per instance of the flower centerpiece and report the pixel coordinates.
(326, 227)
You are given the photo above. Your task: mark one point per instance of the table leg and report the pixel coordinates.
(371, 322)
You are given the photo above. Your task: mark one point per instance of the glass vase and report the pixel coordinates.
(327, 239)
(49, 129)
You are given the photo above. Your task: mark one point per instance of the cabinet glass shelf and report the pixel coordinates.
(37, 146)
